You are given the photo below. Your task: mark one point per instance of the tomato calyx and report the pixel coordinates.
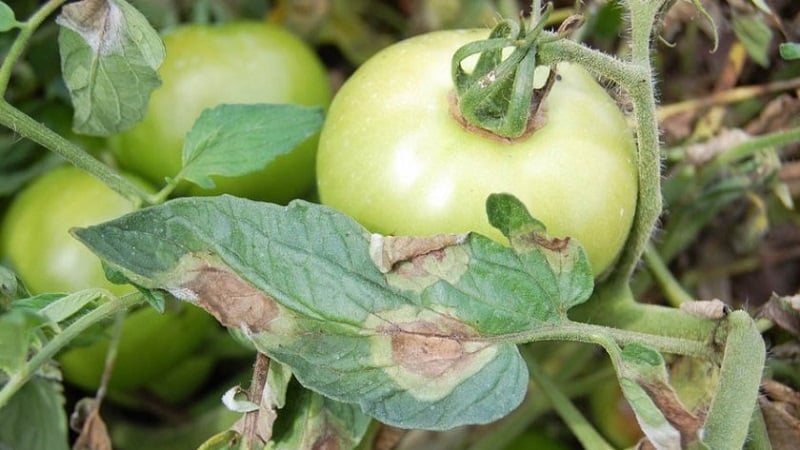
(498, 95)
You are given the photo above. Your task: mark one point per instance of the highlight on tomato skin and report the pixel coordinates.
(393, 156)
(234, 62)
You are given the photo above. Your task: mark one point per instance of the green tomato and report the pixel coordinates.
(393, 156)
(151, 345)
(613, 415)
(35, 239)
(237, 62)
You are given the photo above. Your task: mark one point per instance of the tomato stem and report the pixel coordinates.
(49, 350)
(21, 123)
(498, 94)
(27, 29)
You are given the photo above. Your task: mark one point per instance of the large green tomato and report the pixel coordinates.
(238, 62)
(393, 156)
(35, 240)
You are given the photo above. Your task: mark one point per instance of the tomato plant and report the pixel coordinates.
(238, 62)
(35, 239)
(393, 156)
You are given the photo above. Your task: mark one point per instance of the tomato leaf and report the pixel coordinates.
(8, 20)
(232, 140)
(109, 58)
(659, 411)
(34, 417)
(755, 35)
(561, 265)
(419, 346)
(311, 421)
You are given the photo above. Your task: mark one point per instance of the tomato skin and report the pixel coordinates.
(35, 238)
(393, 157)
(236, 62)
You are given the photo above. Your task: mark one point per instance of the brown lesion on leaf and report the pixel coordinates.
(431, 348)
(387, 251)
(554, 244)
(225, 295)
(666, 399)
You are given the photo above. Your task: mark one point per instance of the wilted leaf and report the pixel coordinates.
(784, 311)
(780, 406)
(34, 418)
(109, 58)
(92, 430)
(420, 346)
(663, 418)
(232, 140)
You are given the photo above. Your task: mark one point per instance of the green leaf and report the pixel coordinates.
(419, 345)
(8, 20)
(232, 140)
(109, 58)
(755, 35)
(15, 335)
(34, 418)
(311, 421)
(790, 51)
(10, 288)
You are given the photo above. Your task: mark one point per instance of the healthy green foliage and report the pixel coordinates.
(8, 20)
(109, 58)
(414, 330)
(232, 140)
(790, 50)
(35, 418)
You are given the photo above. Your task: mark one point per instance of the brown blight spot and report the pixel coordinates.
(386, 251)
(427, 348)
(233, 301)
(428, 353)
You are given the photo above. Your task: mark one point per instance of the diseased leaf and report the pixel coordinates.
(663, 418)
(310, 422)
(418, 346)
(109, 58)
(232, 140)
(34, 418)
(560, 265)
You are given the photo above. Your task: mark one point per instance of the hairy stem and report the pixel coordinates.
(26, 126)
(21, 41)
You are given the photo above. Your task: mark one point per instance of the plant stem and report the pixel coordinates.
(731, 411)
(591, 334)
(26, 126)
(534, 406)
(21, 41)
(673, 291)
(49, 350)
(586, 434)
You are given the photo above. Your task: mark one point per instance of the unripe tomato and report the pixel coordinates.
(35, 240)
(237, 62)
(393, 156)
